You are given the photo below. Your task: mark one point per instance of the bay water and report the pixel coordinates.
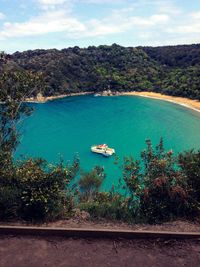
(69, 126)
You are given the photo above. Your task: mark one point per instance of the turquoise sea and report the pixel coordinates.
(64, 127)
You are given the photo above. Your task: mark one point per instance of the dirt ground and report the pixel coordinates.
(175, 226)
(60, 252)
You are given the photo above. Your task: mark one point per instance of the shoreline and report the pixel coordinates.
(44, 99)
(183, 101)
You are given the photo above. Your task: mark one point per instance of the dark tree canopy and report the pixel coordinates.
(173, 70)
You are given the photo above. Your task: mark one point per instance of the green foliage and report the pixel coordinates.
(175, 56)
(9, 188)
(43, 189)
(9, 202)
(189, 163)
(90, 183)
(172, 70)
(107, 205)
(132, 176)
(15, 86)
(34, 190)
(158, 187)
(30, 189)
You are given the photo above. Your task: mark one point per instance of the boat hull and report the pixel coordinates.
(105, 151)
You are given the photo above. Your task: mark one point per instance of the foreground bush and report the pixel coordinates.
(107, 205)
(189, 163)
(34, 190)
(157, 186)
(90, 183)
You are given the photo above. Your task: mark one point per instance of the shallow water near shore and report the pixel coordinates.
(64, 127)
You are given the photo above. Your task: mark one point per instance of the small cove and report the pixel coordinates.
(64, 127)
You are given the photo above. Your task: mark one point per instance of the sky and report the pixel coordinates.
(36, 24)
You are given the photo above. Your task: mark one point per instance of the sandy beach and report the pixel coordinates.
(186, 102)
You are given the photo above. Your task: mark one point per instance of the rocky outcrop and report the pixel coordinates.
(109, 93)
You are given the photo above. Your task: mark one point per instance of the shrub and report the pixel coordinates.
(36, 191)
(44, 190)
(189, 163)
(90, 183)
(107, 205)
(157, 186)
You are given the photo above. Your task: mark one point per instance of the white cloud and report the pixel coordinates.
(55, 21)
(160, 18)
(154, 20)
(174, 41)
(165, 23)
(195, 15)
(60, 2)
(51, 2)
(2, 16)
(186, 29)
(118, 24)
(47, 5)
(103, 1)
(190, 25)
(48, 22)
(167, 6)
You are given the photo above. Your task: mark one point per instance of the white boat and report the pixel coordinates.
(97, 94)
(103, 149)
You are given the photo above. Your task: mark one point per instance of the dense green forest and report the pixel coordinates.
(173, 70)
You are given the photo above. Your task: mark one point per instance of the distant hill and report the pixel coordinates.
(173, 70)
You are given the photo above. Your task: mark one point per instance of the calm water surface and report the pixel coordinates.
(71, 125)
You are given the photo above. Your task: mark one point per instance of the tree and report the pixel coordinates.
(30, 189)
(158, 187)
(189, 163)
(44, 189)
(16, 85)
(90, 183)
(172, 70)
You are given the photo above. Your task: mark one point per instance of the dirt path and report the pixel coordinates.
(175, 226)
(79, 222)
(32, 252)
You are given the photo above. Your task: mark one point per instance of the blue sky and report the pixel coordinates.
(32, 24)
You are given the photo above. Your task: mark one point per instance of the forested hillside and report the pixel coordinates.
(173, 70)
